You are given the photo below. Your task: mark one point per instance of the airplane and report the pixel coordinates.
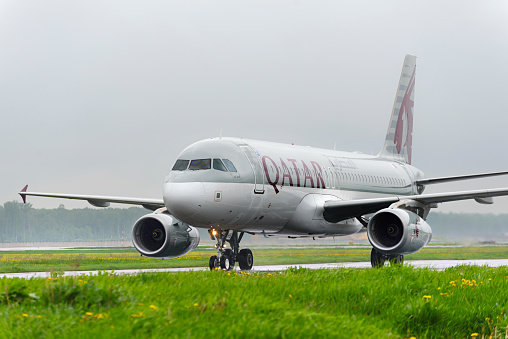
(233, 186)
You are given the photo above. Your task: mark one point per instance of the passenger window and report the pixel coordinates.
(229, 165)
(218, 165)
(180, 165)
(200, 164)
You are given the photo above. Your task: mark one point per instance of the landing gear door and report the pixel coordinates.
(259, 180)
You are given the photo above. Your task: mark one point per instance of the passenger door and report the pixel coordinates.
(259, 179)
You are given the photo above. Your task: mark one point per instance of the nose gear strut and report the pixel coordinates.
(226, 258)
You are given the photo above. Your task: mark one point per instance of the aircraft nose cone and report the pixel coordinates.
(185, 201)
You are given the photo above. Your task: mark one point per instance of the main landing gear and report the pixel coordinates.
(377, 259)
(226, 258)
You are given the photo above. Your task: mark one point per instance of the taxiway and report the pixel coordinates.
(433, 264)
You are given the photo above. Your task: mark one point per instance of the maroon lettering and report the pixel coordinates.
(285, 173)
(319, 174)
(307, 175)
(293, 161)
(267, 174)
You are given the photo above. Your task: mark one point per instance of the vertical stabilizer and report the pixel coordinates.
(399, 137)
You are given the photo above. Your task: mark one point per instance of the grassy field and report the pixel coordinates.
(398, 302)
(126, 258)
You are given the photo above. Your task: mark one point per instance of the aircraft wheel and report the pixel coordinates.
(377, 259)
(245, 259)
(226, 263)
(214, 262)
(230, 254)
(396, 260)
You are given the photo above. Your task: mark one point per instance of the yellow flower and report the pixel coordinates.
(487, 319)
(439, 288)
(412, 338)
(474, 335)
(196, 304)
(427, 296)
(89, 313)
(153, 307)
(290, 296)
(25, 315)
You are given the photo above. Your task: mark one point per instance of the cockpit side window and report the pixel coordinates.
(229, 165)
(219, 165)
(180, 165)
(200, 164)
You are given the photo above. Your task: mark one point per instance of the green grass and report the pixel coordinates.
(128, 258)
(340, 303)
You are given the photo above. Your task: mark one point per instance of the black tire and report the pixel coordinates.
(377, 259)
(245, 259)
(396, 260)
(213, 262)
(229, 252)
(226, 263)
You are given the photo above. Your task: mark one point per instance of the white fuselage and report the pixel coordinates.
(277, 188)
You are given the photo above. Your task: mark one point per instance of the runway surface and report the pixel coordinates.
(434, 264)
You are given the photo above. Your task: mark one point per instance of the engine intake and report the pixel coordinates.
(160, 235)
(398, 231)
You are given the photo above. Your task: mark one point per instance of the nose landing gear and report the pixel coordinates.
(228, 257)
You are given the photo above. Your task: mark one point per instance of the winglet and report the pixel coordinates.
(23, 196)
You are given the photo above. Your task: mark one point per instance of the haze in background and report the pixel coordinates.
(100, 97)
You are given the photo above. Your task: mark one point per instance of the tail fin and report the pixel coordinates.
(399, 137)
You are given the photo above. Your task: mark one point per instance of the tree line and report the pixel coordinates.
(23, 223)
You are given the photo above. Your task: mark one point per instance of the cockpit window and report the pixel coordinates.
(219, 165)
(229, 165)
(200, 164)
(180, 165)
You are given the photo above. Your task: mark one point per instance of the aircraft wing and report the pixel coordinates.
(338, 210)
(97, 200)
(441, 180)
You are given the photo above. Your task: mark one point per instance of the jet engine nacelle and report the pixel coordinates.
(160, 235)
(398, 231)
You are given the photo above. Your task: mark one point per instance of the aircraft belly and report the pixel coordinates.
(308, 219)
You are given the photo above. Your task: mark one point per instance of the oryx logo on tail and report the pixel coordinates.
(399, 136)
(405, 121)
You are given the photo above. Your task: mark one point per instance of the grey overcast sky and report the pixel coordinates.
(99, 97)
